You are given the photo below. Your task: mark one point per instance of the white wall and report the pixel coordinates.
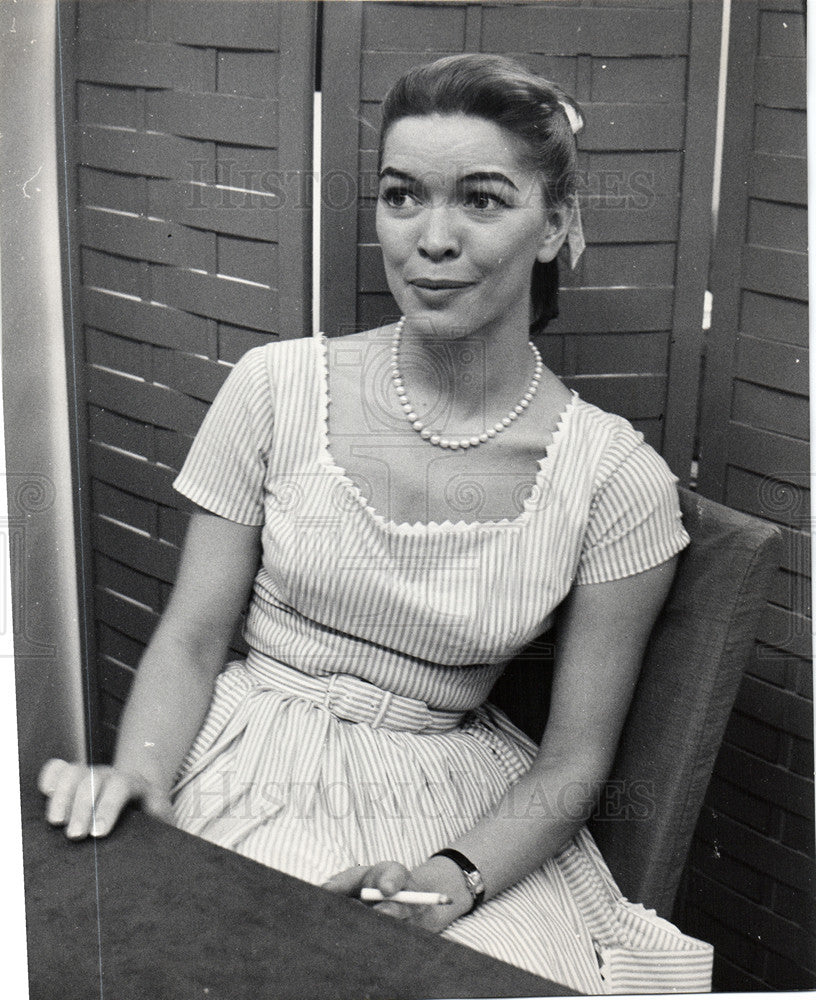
(38, 534)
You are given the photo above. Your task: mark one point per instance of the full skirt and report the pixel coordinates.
(280, 779)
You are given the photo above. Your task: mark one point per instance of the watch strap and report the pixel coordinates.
(473, 877)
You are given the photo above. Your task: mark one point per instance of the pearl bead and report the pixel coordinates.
(506, 421)
(436, 439)
(484, 436)
(425, 433)
(474, 441)
(418, 425)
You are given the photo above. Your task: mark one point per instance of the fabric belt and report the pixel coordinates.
(352, 698)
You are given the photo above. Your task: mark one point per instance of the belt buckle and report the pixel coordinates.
(348, 699)
(373, 704)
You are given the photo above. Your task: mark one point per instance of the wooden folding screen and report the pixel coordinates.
(752, 876)
(186, 131)
(629, 333)
(187, 146)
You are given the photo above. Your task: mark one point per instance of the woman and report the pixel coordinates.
(421, 498)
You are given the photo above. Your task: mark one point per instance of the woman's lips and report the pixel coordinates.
(438, 284)
(437, 294)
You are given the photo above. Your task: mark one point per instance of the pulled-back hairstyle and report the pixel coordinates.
(526, 105)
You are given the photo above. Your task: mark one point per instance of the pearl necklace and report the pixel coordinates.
(472, 442)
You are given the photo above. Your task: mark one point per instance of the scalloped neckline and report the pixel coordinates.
(414, 527)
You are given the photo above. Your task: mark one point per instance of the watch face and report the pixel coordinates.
(475, 882)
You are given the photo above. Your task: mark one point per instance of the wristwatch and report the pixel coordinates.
(473, 877)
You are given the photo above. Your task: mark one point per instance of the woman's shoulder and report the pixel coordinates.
(265, 360)
(300, 351)
(597, 420)
(376, 337)
(616, 443)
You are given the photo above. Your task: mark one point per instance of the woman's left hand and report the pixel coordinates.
(390, 876)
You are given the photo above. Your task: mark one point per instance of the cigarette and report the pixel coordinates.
(405, 896)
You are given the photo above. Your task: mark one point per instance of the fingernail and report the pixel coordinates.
(72, 831)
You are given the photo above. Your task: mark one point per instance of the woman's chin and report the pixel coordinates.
(437, 323)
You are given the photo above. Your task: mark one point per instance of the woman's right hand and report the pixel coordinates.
(88, 799)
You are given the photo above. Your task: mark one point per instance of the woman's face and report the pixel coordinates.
(461, 223)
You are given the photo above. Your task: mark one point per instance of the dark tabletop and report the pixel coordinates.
(152, 912)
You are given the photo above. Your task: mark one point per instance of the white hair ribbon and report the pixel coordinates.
(575, 120)
(575, 234)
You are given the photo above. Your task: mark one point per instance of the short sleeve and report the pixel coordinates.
(225, 469)
(634, 521)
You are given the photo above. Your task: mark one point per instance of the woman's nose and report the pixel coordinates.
(439, 236)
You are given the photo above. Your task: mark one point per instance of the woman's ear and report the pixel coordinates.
(555, 231)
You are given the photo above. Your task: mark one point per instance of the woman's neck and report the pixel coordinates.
(473, 379)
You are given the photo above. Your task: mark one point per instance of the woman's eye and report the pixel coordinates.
(397, 197)
(484, 200)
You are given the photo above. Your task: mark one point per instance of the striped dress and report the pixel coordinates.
(357, 730)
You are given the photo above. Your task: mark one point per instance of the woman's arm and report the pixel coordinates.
(602, 636)
(173, 686)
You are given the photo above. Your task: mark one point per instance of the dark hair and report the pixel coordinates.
(528, 106)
